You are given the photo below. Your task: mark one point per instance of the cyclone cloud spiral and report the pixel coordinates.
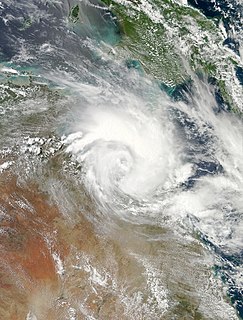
(169, 158)
(121, 159)
(128, 151)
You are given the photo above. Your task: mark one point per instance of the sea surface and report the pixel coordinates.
(120, 197)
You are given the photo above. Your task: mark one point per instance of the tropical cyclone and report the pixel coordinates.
(120, 167)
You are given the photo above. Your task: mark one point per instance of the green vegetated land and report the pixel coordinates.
(169, 39)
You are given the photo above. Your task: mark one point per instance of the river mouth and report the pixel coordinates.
(121, 197)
